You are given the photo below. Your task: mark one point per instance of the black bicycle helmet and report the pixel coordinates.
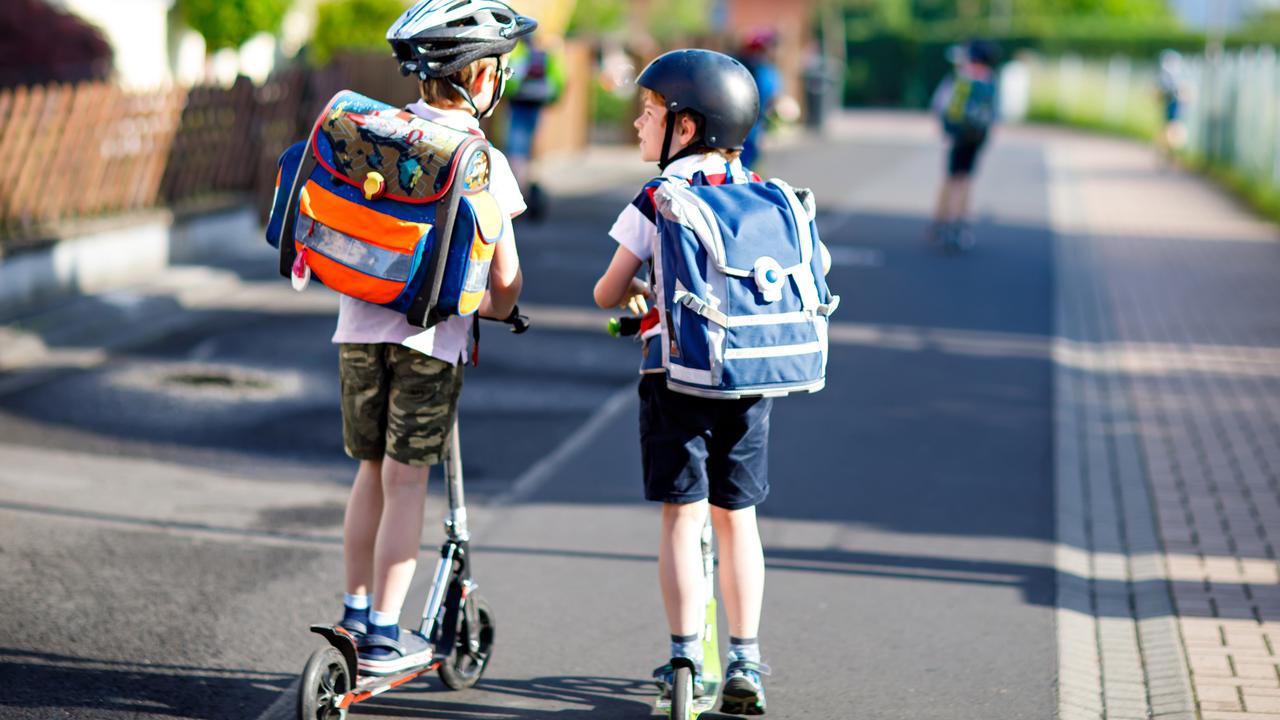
(719, 89)
(437, 38)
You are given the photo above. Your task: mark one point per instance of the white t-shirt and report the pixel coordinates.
(362, 322)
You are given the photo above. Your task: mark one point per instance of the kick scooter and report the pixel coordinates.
(682, 705)
(456, 620)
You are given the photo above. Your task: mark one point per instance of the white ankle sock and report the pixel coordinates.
(355, 602)
(384, 618)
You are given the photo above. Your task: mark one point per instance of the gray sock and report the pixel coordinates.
(744, 649)
(689, 646)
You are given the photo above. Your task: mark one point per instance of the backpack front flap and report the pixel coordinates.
(390, 208)
(744, 294)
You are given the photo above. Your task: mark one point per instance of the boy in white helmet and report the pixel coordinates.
(400, 385)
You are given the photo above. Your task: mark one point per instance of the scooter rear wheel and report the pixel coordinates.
(470, 656)
(325, 679)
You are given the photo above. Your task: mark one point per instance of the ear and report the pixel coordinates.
(686, 131)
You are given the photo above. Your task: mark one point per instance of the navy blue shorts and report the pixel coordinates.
(963, 156)
(702, 449)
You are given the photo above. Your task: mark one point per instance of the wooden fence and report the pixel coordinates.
(76, 151)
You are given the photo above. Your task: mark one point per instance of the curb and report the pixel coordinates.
(117, 255)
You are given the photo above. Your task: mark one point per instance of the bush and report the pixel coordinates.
(230, 23)
(353, 25)
(901, 66)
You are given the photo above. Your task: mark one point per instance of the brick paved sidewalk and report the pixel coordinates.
(1167, 442)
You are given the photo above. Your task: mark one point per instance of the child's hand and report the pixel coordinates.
(636, 299)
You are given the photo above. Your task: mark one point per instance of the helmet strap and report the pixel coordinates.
(467, 96)
(695, 147)
(500, 77)
(663, 160)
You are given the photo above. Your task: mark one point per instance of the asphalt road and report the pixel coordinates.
(166, 537)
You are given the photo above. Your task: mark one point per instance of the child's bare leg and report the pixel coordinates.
(680, 566)
(360, 527)
(741, 568)
(943, 208)
(404, 490)
(960, 186)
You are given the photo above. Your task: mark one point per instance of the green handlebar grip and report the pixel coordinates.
(614, 327)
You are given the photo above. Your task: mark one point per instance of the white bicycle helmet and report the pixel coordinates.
(437, 38)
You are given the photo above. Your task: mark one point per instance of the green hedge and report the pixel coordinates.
(900, 67)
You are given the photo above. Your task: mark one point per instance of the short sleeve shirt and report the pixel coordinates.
(636, 228)
(362, 322)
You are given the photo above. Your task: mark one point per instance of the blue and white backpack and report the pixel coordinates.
(745, 299)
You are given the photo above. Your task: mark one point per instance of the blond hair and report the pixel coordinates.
(656, 98)
(440, 93)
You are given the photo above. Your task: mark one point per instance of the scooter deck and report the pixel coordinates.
(703, 703)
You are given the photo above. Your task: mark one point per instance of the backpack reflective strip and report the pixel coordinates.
(353, 253)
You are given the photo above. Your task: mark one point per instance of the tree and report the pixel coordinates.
(353, 25)
(597, 17)
(230, 23)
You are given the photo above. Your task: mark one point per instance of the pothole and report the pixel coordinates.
(211, 381)
(217, 380)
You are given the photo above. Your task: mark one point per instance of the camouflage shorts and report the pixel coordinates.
(397, 402)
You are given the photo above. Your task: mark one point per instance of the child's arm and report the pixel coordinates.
(619, 286)
(505, 278)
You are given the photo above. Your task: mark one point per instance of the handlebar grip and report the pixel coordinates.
(624, 326)
(519, 323)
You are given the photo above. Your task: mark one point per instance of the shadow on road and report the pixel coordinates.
(593, 697)
(40, 685)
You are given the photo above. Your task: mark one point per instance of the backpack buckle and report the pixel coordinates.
(769, 278)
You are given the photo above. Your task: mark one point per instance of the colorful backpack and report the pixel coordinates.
(389, 208)
(971, 108)
(746, 302)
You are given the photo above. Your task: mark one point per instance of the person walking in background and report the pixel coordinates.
(537, 80)
(965, 101)
(1169, 82)
(757, 56)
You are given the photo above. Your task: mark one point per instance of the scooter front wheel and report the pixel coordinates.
(682, 693)
(325, 679)
(474, 646)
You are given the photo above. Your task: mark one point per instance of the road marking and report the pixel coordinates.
(284, 706)
(545, 469)
(856, 256)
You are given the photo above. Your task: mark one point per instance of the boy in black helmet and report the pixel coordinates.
(700, 455)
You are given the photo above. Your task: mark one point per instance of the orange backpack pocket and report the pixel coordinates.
(354, 249)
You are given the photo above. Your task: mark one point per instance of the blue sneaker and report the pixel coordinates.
(381, 654)
(664, 678)
(743, 692)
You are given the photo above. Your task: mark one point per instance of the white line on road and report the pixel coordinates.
(545, 469)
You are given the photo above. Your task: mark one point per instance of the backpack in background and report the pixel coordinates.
(389, 208)
(971, 108)
(745, 300)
